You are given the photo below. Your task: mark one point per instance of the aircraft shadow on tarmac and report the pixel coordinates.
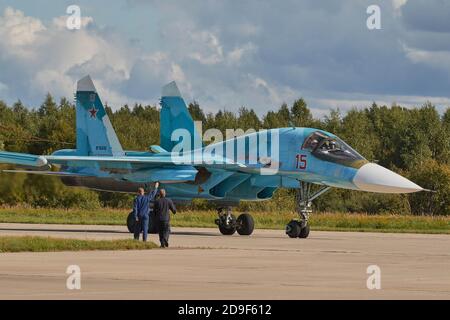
(178, 233)
(62, 230)
(195, 233)
(30, 231)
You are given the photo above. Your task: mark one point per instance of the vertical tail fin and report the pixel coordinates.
(175, 115)
(95, 134)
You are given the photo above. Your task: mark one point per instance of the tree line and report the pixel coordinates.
(414, 142)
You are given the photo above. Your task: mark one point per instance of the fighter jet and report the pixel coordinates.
(248, 167)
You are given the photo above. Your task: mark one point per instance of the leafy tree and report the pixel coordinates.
(300, 114)
(225, 120)
(248, 119)
(446, 120)
(279, 119)
(434, 176)
(414, 142)
(357, 130)
(196, 112)
(333, 122)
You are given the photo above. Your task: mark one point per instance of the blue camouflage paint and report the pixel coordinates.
(175, 115)
(95, 134)
(100, 157)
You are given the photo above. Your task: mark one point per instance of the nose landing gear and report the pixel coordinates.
(228, 224)
(304, 197)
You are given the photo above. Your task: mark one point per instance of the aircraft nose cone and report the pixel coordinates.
(375, 178)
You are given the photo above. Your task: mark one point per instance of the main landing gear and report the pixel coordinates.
(228, 224)
(304, 197)
(131, 222)
(152, 227)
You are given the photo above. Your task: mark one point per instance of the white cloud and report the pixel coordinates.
(262, 84)
(230, 54)
(236, 55)
(364, 100)
(207, 47)
(61, 22)
(398, 3)
(436, 59)
(50, 58)
(18, 33)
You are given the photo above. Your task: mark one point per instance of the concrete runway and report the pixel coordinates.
(202, 264)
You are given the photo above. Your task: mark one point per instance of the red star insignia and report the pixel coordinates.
(93, 112)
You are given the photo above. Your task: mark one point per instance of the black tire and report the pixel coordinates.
(153, 227)
(304, 233)
(131, 222)
(293, 229)
(245, 224)
(228, 229)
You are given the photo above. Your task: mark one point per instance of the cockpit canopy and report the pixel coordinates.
(332, 149)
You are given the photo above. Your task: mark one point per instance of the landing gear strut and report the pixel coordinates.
(228, 224)
(303, 197)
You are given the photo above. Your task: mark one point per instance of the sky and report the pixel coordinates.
(229, 54)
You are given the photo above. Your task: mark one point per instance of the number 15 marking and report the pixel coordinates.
(301, 162)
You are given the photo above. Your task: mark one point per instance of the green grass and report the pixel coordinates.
(63, 216)
(47, 244)
(263, 220)
(331, 222)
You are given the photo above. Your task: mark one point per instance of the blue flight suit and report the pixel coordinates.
(141, 211)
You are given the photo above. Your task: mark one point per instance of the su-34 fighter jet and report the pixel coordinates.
(247, 167)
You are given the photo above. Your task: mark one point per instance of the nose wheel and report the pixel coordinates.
(297, 229)
(304, 196)
(228, 224)
(293, 229)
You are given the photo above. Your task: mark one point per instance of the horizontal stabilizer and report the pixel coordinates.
(157, 149)
(23, 159)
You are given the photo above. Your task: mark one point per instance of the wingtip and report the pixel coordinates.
(86, 84)
(171, 90)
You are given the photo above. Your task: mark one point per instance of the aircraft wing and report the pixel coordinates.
(23, 159)
(118, 162)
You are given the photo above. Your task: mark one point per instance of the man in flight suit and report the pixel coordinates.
(141, 211)
(162, 207)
